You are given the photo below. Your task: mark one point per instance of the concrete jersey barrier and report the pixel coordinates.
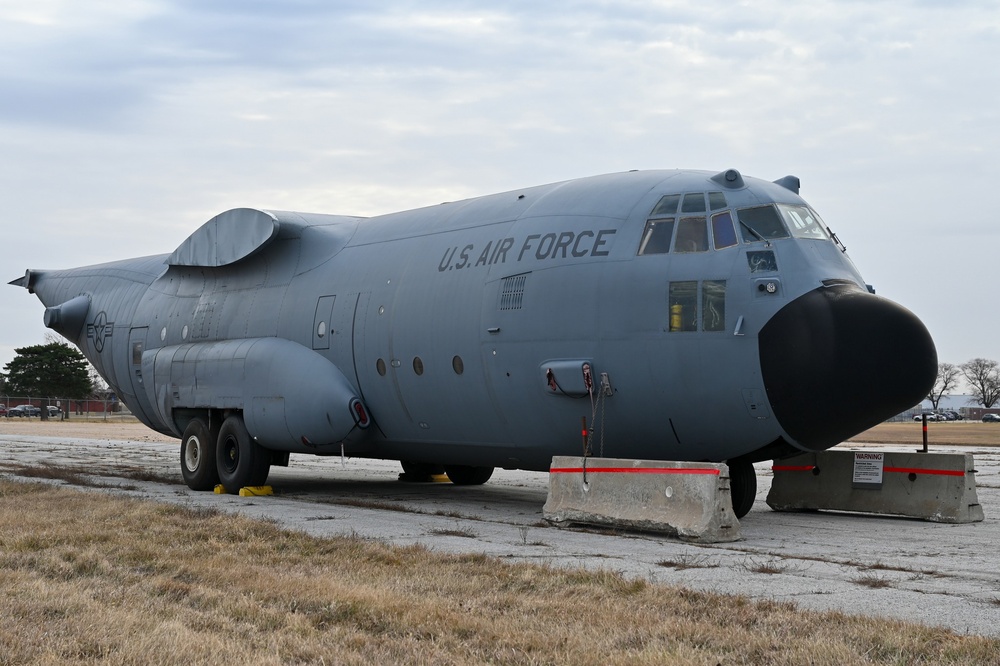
(938, 487)
(683, 499)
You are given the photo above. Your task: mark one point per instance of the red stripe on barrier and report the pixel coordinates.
(917, 470)
(633, 470)
(793, 468)
(902, 470)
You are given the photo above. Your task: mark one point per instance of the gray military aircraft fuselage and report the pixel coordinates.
(672, 315)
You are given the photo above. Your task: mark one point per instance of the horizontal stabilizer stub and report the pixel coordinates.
(27, 280)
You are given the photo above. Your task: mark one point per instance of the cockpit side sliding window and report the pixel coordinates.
(659, 229)
(760, 223)
(803, 222)
(656, 236)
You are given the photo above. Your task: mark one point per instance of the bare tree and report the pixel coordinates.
(947, 379)
(983, 376)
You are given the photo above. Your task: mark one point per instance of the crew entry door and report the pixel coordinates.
(139, 400)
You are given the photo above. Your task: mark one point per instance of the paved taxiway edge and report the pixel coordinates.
(937, 574)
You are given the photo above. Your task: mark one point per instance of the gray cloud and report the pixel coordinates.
(138, 121)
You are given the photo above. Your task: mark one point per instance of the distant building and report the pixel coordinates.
(963, 404)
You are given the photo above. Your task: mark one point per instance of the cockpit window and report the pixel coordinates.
(693, 203)
(666, 206)
(656, 236)
(760, 223)
(722, 230)
(692, 235)
(803, 222)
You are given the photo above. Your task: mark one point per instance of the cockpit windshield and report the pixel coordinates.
(760, 223)
(803, 222)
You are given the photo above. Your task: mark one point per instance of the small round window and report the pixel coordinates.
(458, 365)
(380, 366)
(321, 329)
(418, 365)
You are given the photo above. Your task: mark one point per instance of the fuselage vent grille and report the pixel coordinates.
(512, 292)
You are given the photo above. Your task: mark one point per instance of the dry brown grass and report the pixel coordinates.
(85, 577)
(948, 433)
(84, 427)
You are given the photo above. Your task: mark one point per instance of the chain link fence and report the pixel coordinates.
(107, 409)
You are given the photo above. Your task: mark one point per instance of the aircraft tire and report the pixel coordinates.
(419, 471)
(241, 461)
(742, 487)
(467, 475)
(198, 464)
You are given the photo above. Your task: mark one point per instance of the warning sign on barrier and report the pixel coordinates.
(940, 487)
(868, 467)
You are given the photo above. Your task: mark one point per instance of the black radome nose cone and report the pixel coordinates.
(839, 360)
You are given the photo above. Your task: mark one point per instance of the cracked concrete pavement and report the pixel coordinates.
(932, 573)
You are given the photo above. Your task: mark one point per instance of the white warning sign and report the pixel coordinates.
(868, 469)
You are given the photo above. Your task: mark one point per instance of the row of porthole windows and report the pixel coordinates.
(418, 365)
(184, 333)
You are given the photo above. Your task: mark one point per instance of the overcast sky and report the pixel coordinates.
(125, 125)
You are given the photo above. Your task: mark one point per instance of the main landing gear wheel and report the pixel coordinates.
(742, 487)
(198, 466)
(466, 475)
(241, 461)
(419, 471)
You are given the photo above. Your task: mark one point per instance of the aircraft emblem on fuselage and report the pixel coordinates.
(100, 330)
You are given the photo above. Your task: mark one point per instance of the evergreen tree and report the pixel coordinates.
(45, 371)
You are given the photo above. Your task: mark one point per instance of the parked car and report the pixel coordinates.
(930, 417)
(991, 418)
(54, 412)
(23, 410)
(3, 410)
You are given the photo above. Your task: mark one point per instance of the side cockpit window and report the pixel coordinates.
(659, 229)
(656, 236)
(693, 232)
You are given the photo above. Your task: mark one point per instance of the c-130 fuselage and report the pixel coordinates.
(683, 315)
